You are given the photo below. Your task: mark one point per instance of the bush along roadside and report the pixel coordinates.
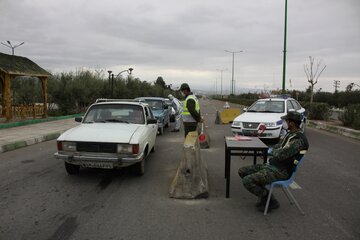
(351, 116)
(318, 111)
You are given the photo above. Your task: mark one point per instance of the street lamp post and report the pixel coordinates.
(232, 85)
(221, 71)
(112, 78)
(9, 45)
(110, 82)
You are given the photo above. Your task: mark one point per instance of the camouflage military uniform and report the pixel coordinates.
(279, 167)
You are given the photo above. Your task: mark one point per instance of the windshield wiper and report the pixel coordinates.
(251, 111)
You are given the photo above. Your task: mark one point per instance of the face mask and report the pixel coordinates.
(285, 125)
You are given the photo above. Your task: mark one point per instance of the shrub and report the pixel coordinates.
(351, 116)
(318, 111)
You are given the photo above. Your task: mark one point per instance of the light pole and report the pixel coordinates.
(221, 71)
(127, 70)
(284, 52)
(232, 85)
(9, 45)
(354, 84)
(112, 78)
(109, 71)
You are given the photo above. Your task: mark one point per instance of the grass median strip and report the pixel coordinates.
(13, 146)
(51, 136)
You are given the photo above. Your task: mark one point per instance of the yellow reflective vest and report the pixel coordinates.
(185, 114)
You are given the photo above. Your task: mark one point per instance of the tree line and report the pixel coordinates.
(73, 92)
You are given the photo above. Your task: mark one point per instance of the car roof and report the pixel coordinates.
(150, 98)
(104, 101)
(275, 98)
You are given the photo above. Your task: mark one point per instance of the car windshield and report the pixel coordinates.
(267, 106)
(116, 113)
(155, 104)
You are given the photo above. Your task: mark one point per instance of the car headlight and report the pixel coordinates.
(236, 123)
(69, 146)
(270, 124)
(128, 148)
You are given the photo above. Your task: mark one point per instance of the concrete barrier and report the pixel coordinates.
(191, 178)
(228, 115)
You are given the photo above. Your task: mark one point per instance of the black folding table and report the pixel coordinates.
(252, 146)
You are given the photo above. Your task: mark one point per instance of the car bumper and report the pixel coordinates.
(98, 160)
(268, 133)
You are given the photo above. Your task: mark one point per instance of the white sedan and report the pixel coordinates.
(112, 134)
(263, 118)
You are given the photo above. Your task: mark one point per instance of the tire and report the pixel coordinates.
(161, 130)
(153, 149)
(72, 169)
(303, 127)
(139, 168)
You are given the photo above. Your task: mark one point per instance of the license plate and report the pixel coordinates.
(249, 132)
(97, 165)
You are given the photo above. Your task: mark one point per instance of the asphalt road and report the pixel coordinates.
(38, 200)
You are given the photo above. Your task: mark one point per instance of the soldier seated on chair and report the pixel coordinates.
(280, 166)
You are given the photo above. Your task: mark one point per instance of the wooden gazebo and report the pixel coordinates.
(14, 66)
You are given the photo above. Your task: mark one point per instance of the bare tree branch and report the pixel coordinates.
(312, 75)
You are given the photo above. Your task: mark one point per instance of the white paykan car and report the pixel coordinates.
(263, 118)
(112, 134)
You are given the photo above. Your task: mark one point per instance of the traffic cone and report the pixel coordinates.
(203, 138)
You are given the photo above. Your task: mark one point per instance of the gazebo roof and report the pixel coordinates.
(20, 66)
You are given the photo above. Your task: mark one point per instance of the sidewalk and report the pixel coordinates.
(22, 136)
(329, 127)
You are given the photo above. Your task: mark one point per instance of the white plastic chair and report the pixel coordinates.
(284, 184)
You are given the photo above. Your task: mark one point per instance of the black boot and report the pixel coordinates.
(273, 204)
(261, 201)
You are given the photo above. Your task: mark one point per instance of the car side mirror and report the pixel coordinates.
(291, 110)
(151, 121)
(78, 119)
(245, 109)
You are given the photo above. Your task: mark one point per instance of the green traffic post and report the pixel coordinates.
(284, 52)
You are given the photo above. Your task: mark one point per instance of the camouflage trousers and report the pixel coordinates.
(255, 177)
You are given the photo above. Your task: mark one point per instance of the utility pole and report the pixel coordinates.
(336, 85)
(232, 85)
(221, 70)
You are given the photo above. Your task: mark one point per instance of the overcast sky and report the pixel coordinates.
(184, 41)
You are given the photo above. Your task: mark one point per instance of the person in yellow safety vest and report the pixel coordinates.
(191, 110)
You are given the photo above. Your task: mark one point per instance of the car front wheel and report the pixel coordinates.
(72, 169)
(303, 127)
